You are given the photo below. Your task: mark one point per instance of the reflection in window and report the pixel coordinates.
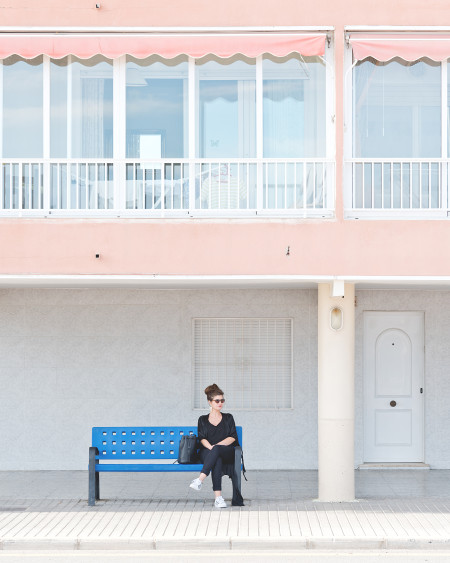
(81, 114)
(22, 107)
(152, 114)
(397, 109)
(397, 115)
(59, 73)
(227, 107)
(448, 112)
(157, 122)
(294, 107)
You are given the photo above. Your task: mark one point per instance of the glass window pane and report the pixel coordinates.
(81, 108)
(58, 108)
(22, 107)
(82, 117)
(397, 109)
(227, 107)
(294, 107)
(448, 110)
(92, 107)
(157, 108)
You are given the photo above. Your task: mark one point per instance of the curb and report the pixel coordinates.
(227, 543)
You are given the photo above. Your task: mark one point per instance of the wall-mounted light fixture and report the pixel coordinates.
(98, 6)
(336, 318)
(338, 288)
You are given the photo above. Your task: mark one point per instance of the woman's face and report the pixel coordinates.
(217, 403)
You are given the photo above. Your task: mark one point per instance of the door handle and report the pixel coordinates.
(393, 403)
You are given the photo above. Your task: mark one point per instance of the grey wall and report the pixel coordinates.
(73, 359)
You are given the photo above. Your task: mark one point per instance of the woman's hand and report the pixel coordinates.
(226, 442)
(206, 444)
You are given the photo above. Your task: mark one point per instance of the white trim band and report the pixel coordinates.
(181, 281)
(152, 30)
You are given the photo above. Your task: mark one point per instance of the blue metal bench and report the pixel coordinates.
(129, 446)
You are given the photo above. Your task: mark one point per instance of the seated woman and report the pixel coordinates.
(218, 438)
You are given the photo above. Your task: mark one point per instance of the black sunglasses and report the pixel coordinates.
(219, 400)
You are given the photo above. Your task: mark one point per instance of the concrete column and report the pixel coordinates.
(336, 404)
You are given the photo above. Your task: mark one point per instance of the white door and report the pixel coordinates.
(393, 386)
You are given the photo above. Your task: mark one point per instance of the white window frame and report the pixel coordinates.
(119, 150)
(232, 407)
(382, 214)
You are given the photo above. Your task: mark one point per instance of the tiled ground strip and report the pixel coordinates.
(395, 509)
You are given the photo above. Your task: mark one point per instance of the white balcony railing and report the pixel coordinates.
(81, 185)
(164, 188)
(396, 187)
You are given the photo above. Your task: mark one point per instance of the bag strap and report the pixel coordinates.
(243, 465)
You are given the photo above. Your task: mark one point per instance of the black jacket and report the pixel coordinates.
(230, 427)
(227, 469)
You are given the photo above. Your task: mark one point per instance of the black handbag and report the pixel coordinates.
(188, 449)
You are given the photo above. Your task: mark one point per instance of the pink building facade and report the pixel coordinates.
(253, 196)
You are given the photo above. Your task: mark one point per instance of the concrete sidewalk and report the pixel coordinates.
(400, 509)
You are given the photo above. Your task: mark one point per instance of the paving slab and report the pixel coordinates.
(395, 510)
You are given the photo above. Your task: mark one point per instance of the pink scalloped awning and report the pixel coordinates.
(384, 47)
(167, 46)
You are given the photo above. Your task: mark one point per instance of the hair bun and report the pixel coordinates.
(212, 391)
(211, 388)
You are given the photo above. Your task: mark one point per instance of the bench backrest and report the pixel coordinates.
(142, 442)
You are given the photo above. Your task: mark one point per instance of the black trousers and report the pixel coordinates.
(213, 461)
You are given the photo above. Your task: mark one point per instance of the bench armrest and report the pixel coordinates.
(93, 452)
(237, 465)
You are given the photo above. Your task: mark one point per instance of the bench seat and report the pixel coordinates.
(129, 446)
(149, 467)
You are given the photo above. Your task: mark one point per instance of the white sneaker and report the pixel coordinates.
(220, 502)
(196, 484)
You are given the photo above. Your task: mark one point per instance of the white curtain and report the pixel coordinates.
(92, 92)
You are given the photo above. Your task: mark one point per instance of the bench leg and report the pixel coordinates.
(94, 478)
(237, 466)
(97, 485)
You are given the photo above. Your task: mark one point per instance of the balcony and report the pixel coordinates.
(167, 188)
(396, 188)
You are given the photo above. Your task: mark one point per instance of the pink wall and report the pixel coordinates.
(202, 247)
(139, 247)
(229, 13)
